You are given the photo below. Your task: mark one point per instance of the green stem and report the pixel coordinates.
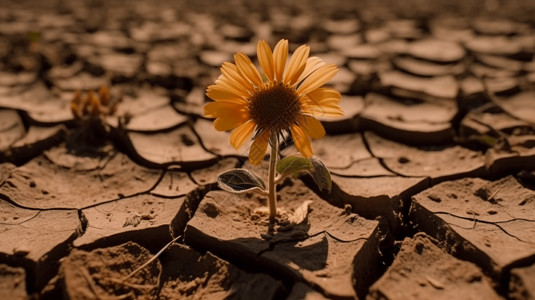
(272, 192)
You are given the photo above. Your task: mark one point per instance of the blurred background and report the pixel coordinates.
(180, 44)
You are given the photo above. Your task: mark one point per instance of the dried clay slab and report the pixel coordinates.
(41, 184)
(437, 50)
(34, 142)
(40, 104)
(425, 89)
(12, 283)
(216, 142)
(427, 69)
(421, 270)
(147, 111)
(407, 121)
(36, 239)
(188, 274)
(375, 197)
(352, 107)
(521, 106)
(522, 284)
(331, 249)
(489, 223)
(11, 129)
(439, 162)
(510, 141)
(122, 67)
(143, 219)
(179, 146)
(99, 274)
(514, 47)
(345, 155)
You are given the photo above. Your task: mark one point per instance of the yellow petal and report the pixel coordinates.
(324, 110)
(322, 102)
(321, 95)
(225, 109)
(312, 127)
(247, 68)
(242, 133)
(259, 147)
(280, 54)
(220, 92)
(313, 63)
(265, 57)
(225, 124)
(233, 86)
(317, 78)
(230, 71)
(296, 65)
(302, 143)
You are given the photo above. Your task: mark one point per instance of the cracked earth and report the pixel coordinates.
(433, 164)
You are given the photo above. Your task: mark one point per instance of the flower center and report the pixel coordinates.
(274, 107)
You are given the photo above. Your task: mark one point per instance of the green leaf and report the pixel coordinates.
(321, 175)
(486, 140)
(34, 36)
(296, 163)
(240, 181)
(292, 164)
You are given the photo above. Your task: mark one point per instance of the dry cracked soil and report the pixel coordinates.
(433, 164)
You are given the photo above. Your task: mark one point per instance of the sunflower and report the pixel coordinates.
(285, 100)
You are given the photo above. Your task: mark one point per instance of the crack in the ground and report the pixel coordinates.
(189, 208)
(367, 176)
(354, 162)
(162, 175)
(272, 245)
(24, 221)
(381, 159)
(7, 199)
(203, 146)
(190, 176)
(496, 223)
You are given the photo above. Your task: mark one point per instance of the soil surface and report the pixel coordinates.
(433, 163)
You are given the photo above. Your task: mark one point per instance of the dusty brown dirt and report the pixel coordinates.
(433, 164)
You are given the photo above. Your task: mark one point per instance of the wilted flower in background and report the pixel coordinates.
(92, 105)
